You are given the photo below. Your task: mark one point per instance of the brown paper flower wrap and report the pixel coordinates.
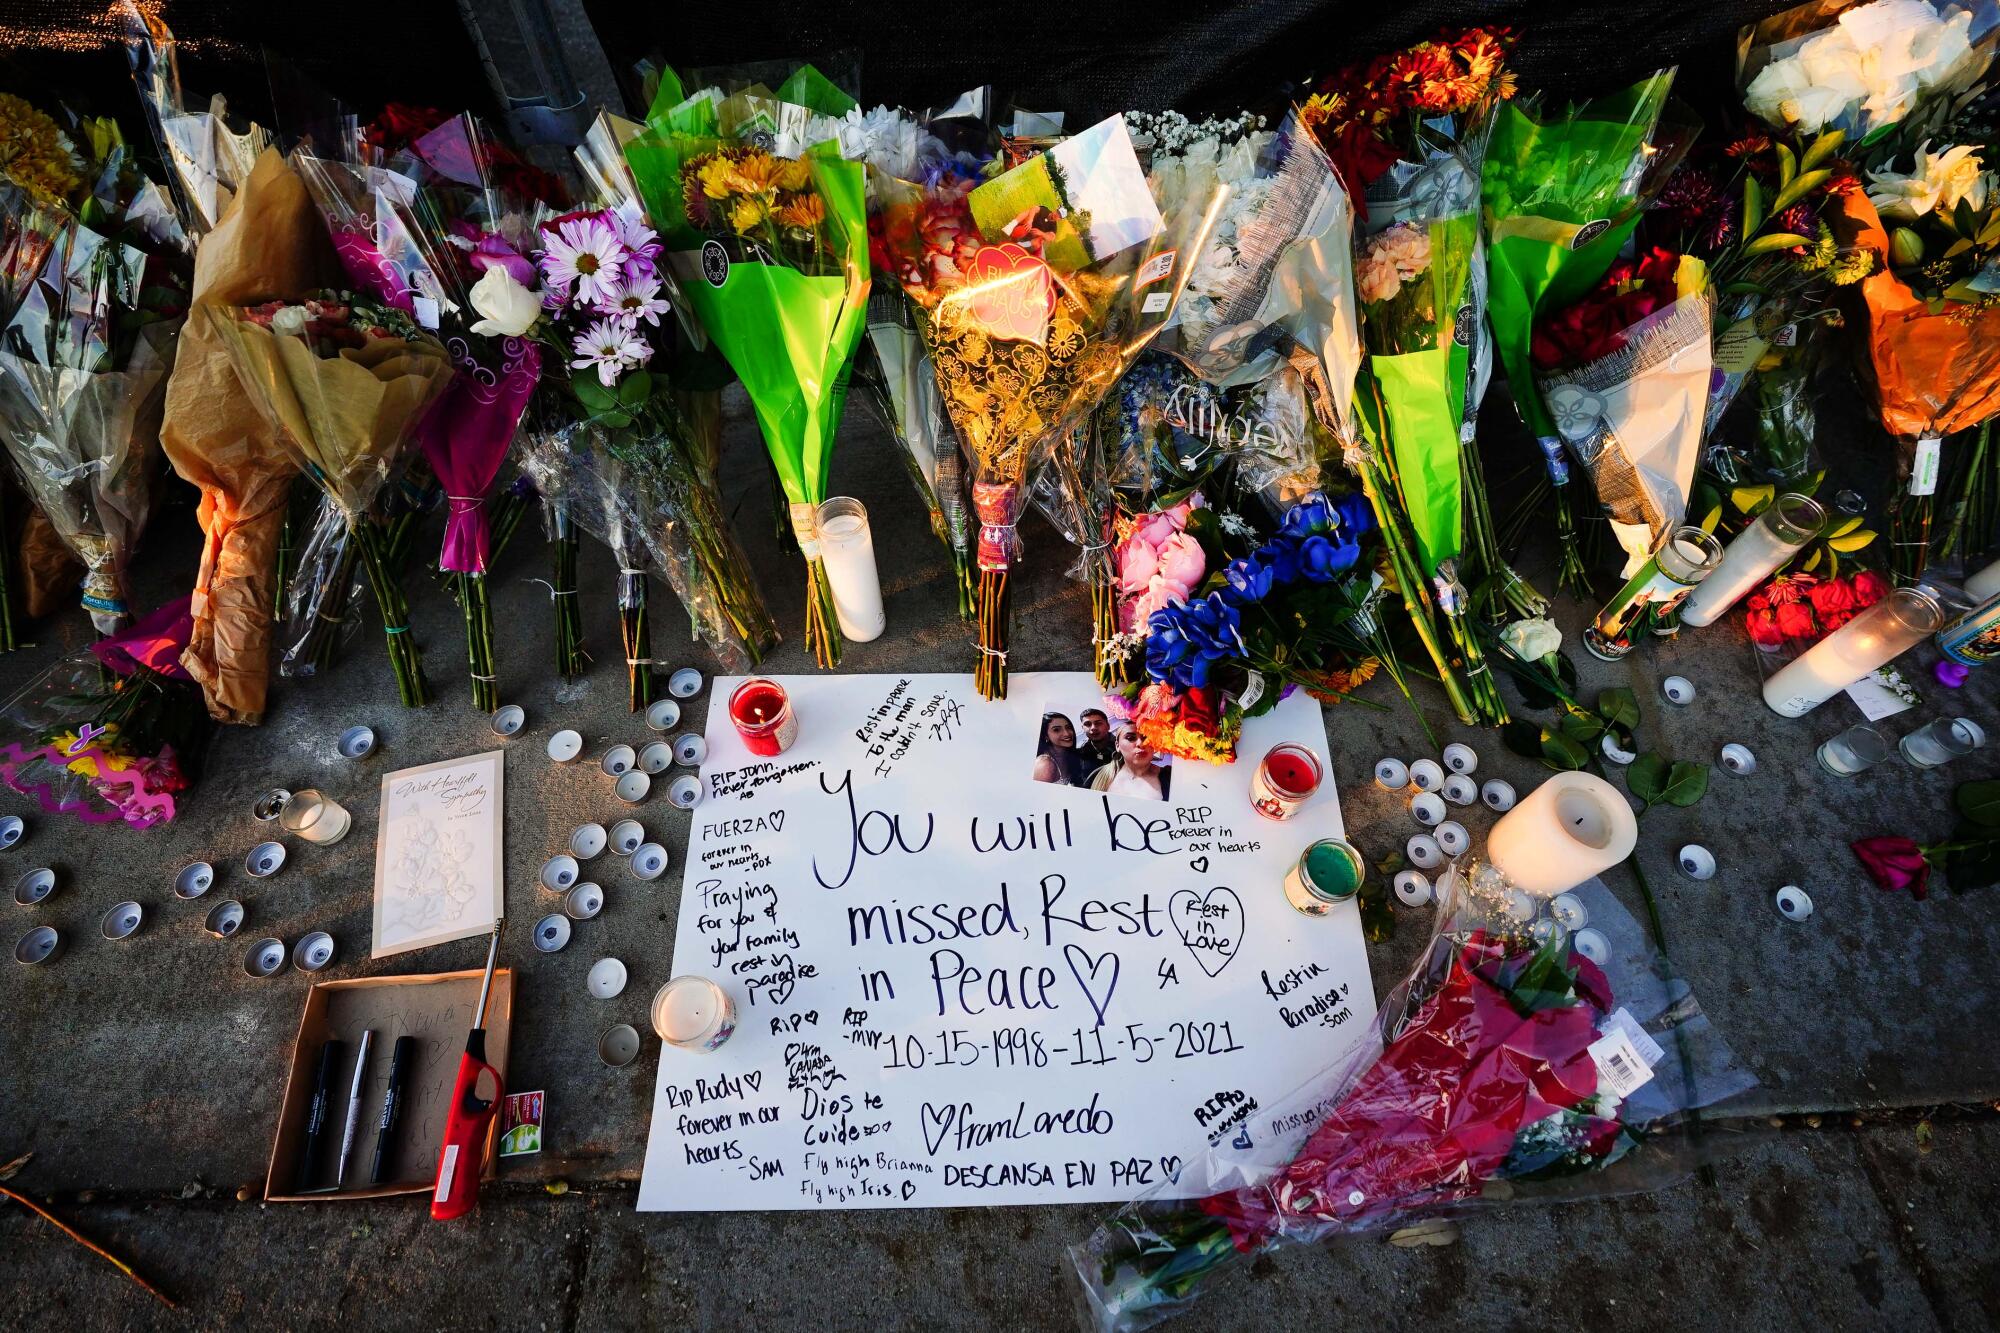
(1934, 375)
(49, 571)
(346, 420)
(270, 245)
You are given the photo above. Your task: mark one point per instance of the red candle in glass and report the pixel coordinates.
(762, 712)
(1284, 781)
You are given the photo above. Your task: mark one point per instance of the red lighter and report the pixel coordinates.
(464, 1148)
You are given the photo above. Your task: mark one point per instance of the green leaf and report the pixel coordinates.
(1788, 165)
(1813, 563)
(1619, 707)
(1853, 541)
(1750, 499)
(1800, 186)
(1523, 738)
(1845, 526)
(1974, 867)
(1713, 517)
(592, 394)
(1583, 728)
(1777, 240)
(1686, 784)
(1822, 148)
(1979, 802)
(635, 389)
(1561, 753)
(1753, 205)
(1647, 777)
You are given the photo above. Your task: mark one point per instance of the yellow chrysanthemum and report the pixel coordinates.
(792, 174)
(758, 168)
(749, 213)
(718, 177)
(34, 153)
(801, 212)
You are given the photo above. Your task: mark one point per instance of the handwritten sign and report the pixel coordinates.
(958, 985)
(437, 854)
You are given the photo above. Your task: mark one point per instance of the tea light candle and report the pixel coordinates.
(1569, 829)
(1874, 638)
(316, 817)
(847, 548)
(762, 712)
(694, 1014)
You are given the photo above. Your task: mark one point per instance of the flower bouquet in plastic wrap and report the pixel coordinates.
(1032, 292)
(1541, 1049)
(765, 226)
(1407, 133)
(84, 356)
(629, 456)
(113, 734)
(420, 234)
(1562, 191)
(1624, 372)
(343, 382)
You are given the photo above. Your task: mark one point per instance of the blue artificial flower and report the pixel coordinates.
(1248, 580)
(1279, 555)
(1310, 515)
(1356, 518)
(1317, 559)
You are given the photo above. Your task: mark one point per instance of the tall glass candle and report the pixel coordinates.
(762, 714)
(1789, 523)
(848, 549)
(1570, 829)
(1684, 559)
(1985, 585)
(1874, 638)
(315, 817)
(694, 1014)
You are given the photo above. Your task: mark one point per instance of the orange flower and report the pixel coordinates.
(800, 212)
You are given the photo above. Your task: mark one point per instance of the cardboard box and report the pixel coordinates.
(436, 1009)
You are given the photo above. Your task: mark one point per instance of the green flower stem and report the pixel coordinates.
(478, 607)
(1416, 593)
(570, 656)
(405, 659)
(323, 634)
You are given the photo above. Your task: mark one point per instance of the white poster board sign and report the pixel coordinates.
(957, 985)
(438, 854)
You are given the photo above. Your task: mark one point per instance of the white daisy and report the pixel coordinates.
(612, 346)
(584, 252)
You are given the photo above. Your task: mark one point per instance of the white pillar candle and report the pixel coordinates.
(848, 550)
(1776, 536)
(694, 1014)
(1874, 638)
(1570, 829)
(1985, 585)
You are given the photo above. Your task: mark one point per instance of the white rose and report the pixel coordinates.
(1532, 640)
(1935, 181)
(510, 309)
(289, 319)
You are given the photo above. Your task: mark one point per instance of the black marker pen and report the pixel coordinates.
(392, 1103)
(316, 1108)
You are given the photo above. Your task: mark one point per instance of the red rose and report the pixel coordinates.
(1795, 621)
(1201, 711)
(1764, 631)
(1869, 588)
(1831, 597)
(1834, 620)
(1759, 600)
(1894, 863)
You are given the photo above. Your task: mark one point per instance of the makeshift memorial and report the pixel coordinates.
(113, 734)
(1077, 1029)
(1873, 638)
(1562, 192)
(342, 383)
(1753, 555)
(1407, 134)
(767, 235)
(438, 854)
(1029, 320)
(1969, 858)
(1651, 599)
(1537, 1049)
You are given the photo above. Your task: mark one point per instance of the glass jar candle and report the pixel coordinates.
(1942, 741)
(315, 816)
(1876, 637)
(1756, 552)
(694, 1014)
(1327, 873)
(1284, 781)
(847, 549)
(762, 714)
(1655, 593)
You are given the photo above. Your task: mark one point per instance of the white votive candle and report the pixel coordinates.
(1876, 637)
(1776, 536)
(1570, 829)
(694, 1014)
(848, 550)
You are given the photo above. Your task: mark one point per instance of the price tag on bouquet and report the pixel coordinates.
(990, 953)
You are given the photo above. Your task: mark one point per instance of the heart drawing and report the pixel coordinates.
(1199, 865)
(1085, 969)
(1209, 924)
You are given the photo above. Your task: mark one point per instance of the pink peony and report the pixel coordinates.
(1376, 279)
(1137, 563)
(1158, 595)
(1154, 529)
(1407, 246)
(1182, 562)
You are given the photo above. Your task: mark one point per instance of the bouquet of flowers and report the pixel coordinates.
(765, 225)
(113, 734)
(1886, 74)
(419, 235)
(1031, 292)
(1525, 1056)
(1624, 372)
(1562, 191)
(84, 356)
(1800, 609)
(1224, 619)
(343, 381)
(1407, 132)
